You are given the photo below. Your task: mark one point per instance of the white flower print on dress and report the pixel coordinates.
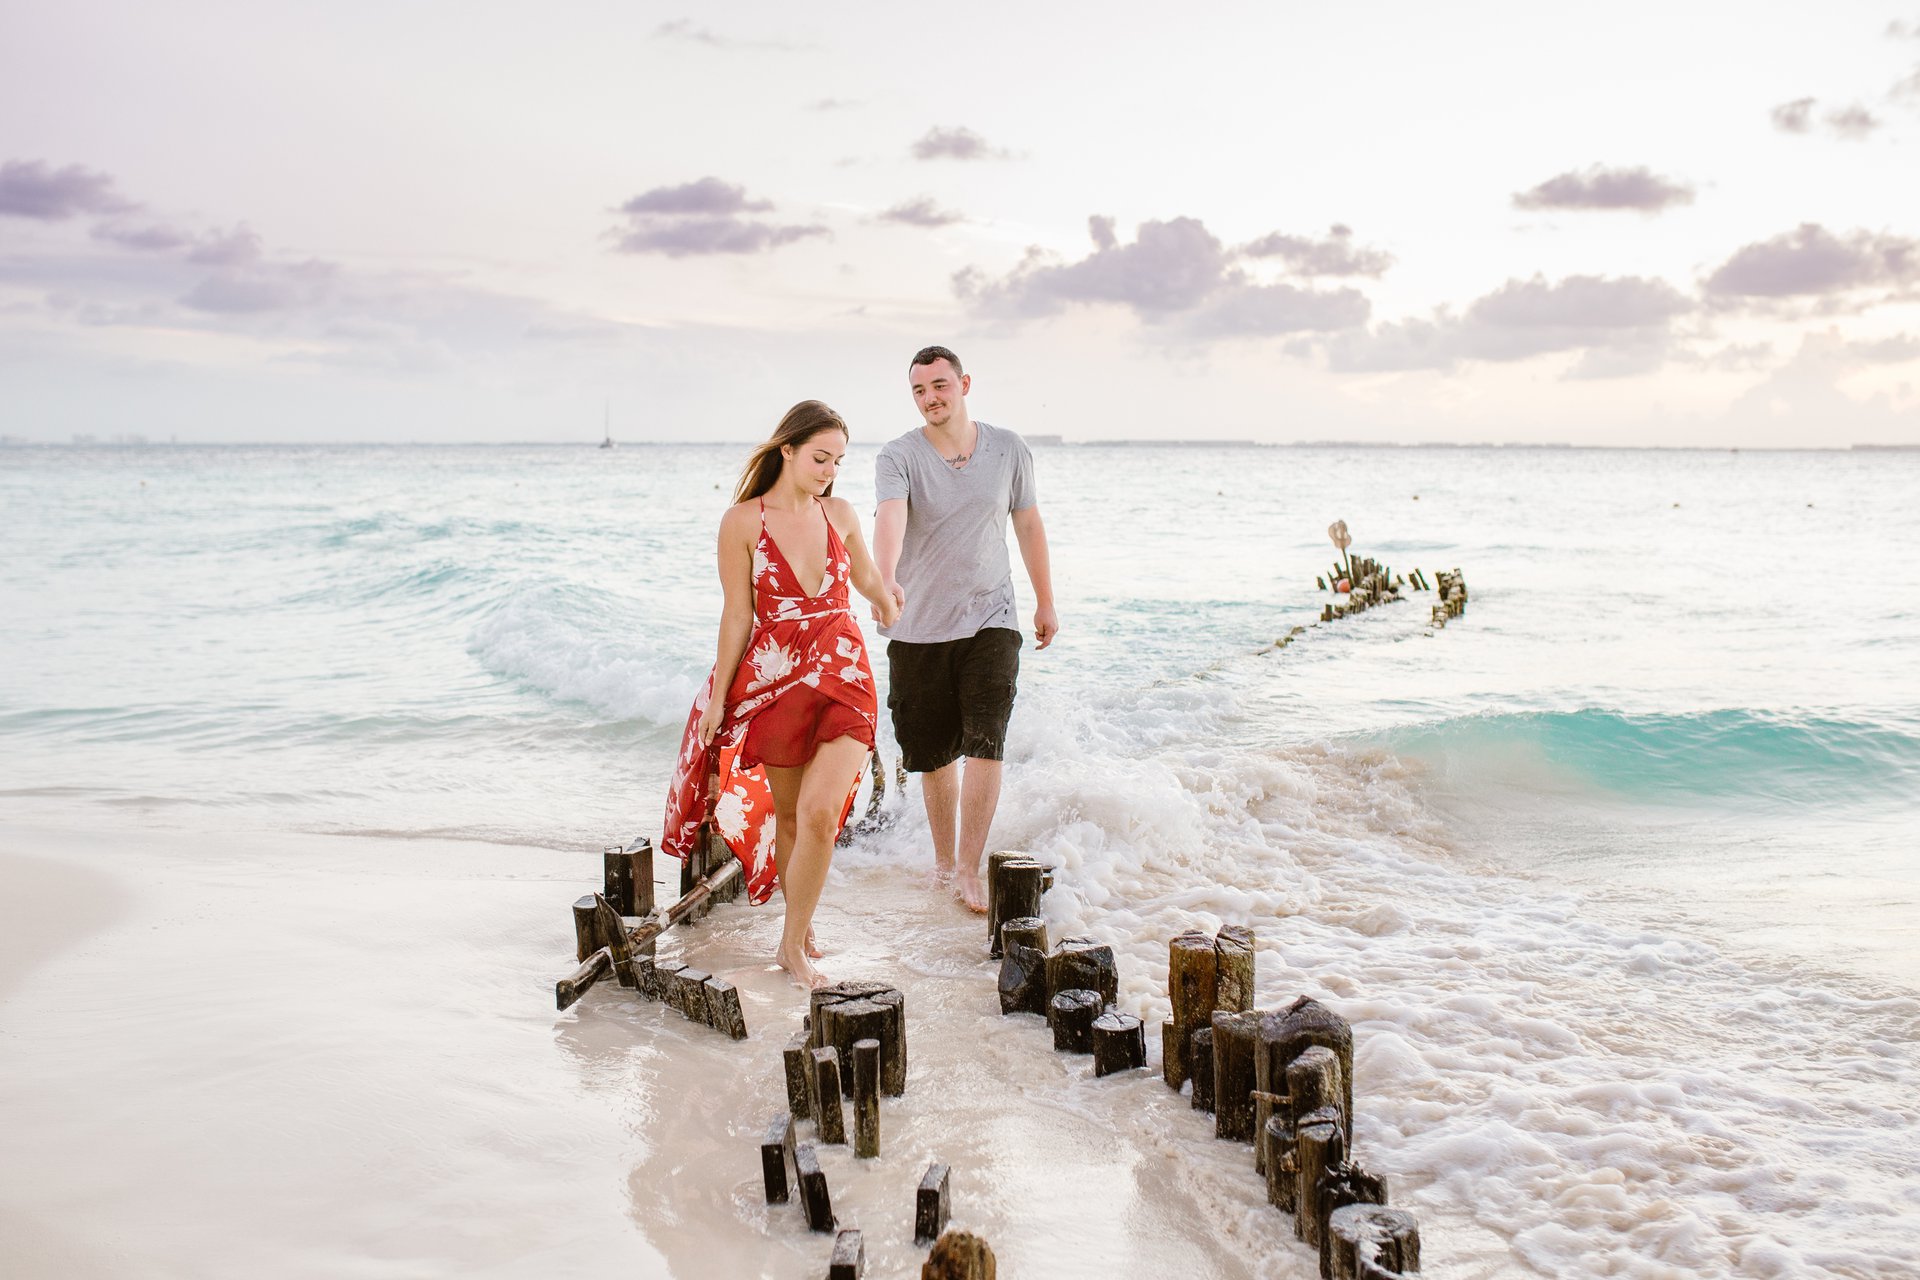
(761, 566)
(771, 661)
(852, 672)
(730, 813)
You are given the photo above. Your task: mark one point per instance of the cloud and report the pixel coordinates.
(1620, 326)
(275, 288)
(1637, 188)
(228, 249)
(1852, 123)
(34, 189)
(706, 195)
(954, 144)
(1898, 30)
(833, 104)
(1793, 117)
(1336, 255)
(1811, 261)
(701, 218)
(1174, 272)
(152, 238)
(1898, 349)
(920, 212)
(684, 30)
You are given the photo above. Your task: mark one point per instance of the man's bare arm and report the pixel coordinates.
(1031, 534)
(889, 536)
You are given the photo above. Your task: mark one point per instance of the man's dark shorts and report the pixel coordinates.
(952, 699)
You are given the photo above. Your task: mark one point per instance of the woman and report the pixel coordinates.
(786, 740)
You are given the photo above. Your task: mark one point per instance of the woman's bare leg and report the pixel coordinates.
(785, 785)
(824, 783)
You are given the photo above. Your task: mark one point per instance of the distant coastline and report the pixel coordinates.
(1049, 441)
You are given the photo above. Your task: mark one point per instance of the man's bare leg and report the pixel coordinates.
(940, 789)
(979, 798)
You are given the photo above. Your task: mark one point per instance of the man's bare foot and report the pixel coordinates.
(967, 889)
(813, 947)
(798, 967)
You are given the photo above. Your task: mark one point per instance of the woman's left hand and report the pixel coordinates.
(710, 721)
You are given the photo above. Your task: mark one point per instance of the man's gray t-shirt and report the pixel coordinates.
(953, 565)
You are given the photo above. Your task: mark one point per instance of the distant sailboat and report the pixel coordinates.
(608, 442)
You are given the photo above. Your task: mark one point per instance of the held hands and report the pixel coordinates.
(886, 610)
(1046, 625)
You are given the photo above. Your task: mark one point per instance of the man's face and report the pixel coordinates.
(938, 391)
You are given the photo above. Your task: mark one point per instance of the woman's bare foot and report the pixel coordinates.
(799, 968)
(813, 947)
(967, 888)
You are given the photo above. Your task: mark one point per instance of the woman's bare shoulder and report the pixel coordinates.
(840, 511)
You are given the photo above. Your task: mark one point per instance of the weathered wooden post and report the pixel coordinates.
(1370, 1242)
(813, 1188)
(723, 1009)
(776, 1157)
(1318, 1145)
(1200, 1051)
(849, 1261)
(1286, 1033)
(570, 988)
(1192, 986)
(612, 932)
(1028, 931)
(1234, 1039)
(1277, 1142)
(1343, 1184)
(586, 927)
(1023, 979)
(931, 1205)
(1119, 1043)
(830, 1112)
(1015, 892)
(1233, 966)
(1071, 1015)
(866, 1098)
(1081, 964)
(959, 1255)
(664, 978)
(690, 994)
(798, 1067)
(879, 1013)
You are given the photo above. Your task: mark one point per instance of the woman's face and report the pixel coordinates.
(815, 461)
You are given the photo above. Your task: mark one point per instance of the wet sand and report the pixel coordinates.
(299, 1055)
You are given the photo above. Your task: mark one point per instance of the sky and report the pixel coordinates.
(1645, 224)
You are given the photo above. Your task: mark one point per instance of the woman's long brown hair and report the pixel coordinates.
(803, 422)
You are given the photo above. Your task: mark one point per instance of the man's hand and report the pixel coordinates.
(1046, 625)
(898, 595)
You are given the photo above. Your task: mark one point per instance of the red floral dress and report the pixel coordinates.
(806, 671)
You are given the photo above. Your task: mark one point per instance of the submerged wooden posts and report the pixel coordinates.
(866, 1098)
(848, 1011)
(829, 1111)
(1015, 882)
(931, 1205)
(1370, 1242)
(1119, 1043)
(1071, 1015)
(849, 1261)
(776, 1158)
(813, 1188)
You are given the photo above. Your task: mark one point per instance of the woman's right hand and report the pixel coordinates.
(710, 721)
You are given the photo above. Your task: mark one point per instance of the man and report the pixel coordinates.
(945, 491)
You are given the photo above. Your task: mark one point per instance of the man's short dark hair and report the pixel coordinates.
(927, 355)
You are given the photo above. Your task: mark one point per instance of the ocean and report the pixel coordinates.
(1617, 876)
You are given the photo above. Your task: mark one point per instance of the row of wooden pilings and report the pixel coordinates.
(1278, 1079)
(1453, 598)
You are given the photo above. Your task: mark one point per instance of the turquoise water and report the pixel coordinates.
(1670, 756)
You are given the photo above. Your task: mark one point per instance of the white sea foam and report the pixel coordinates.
(541, 638)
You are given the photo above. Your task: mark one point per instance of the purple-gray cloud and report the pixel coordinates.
(1337, 255)
(228, 249)
(700, 218)
(1175, 271)
(1811, 261)
(1853, 123)
(35, 189)
(703, 196)
(147, 239)
(1618, 326)
(276, 288)
(954, 144)
(1638, 188)
(920, 212)
(832, 104)
(1793, 117)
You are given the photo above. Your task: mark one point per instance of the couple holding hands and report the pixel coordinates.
(781, 732)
